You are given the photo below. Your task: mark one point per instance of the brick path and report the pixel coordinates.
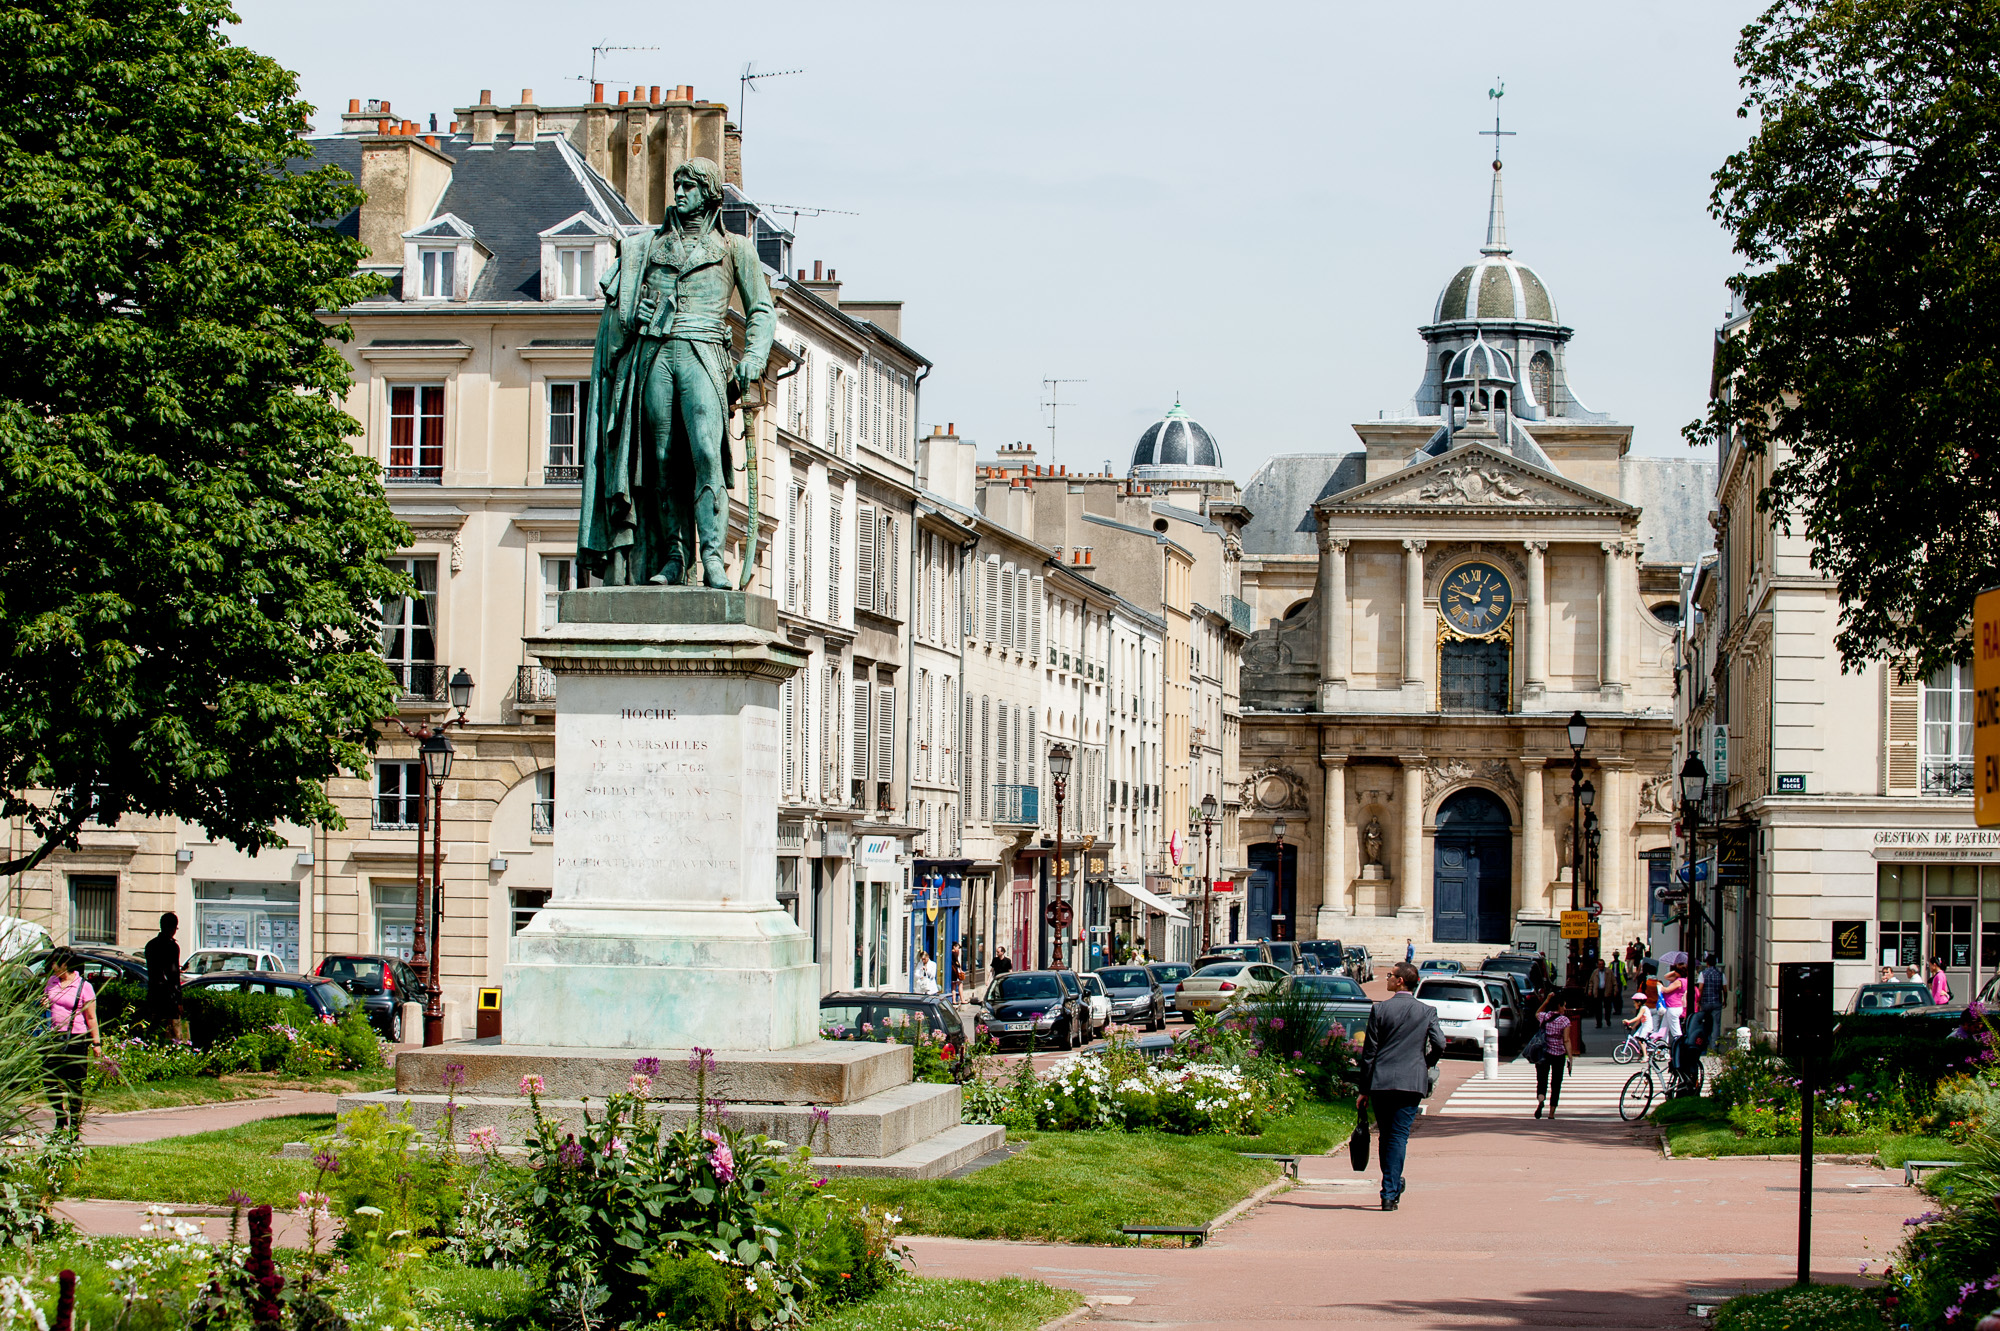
(1506, 1223)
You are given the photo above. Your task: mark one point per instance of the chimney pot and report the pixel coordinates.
(829, 275)
(527, 96)
(802, 274)
(486, 96)
(653, 94)
(951, 427)
(454, 127)
(639, 93)
(597, 93)
(409, 127)
(354, 106)
(623, 97)
(385, 108)
(687, 92)
(431, 140)
(816, 271)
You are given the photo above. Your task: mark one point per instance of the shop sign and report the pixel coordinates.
(1850, 940)
(1912, 844)
(878, 851)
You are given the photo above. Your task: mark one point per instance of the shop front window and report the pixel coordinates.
(261, 917)
(395, 921)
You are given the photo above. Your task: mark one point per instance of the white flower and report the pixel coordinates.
(750, 1283)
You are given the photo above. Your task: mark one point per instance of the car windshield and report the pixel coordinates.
(871, 1021)
(354, 970)
(333, 998)
(1326, 949)
(1171, 973)
(1125, 977)
(1010, 987)
(1327, 986)
(1451, 991)
(1882, 997)
(1284, 953)
(1221, 968)
(1244, 950)
(209, 963)
(1092, 985)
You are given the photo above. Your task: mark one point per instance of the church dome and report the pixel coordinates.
(1481, 362)
(1497, 289)
(1176, 447)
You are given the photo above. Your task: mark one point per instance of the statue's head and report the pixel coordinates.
(697, 186)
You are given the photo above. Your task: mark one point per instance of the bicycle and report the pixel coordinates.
(1631, 1049)
(1636, 1099)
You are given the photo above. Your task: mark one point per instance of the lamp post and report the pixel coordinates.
(1593, 839)
(435, 753)
(1694, 789)
(1209, 808)
(1278, 831)
(1579, 731)
(1059, 762)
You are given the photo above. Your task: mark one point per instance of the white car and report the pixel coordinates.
(1099, 999)
(1221, 984)
(1464, 1009)
(212, 960)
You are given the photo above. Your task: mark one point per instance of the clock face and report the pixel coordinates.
(1475, 598)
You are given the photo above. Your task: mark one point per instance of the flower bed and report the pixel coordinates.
(295, 1042)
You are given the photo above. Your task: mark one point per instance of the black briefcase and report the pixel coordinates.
(1357, 1145)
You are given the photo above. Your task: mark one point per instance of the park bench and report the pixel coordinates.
(1913, 1169)
(1191, 1236)
(1289, 1163)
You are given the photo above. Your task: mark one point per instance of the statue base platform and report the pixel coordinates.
(879, 1122)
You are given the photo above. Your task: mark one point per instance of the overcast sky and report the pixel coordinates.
(1252, 206)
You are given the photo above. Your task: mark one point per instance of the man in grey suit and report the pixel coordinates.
(1404, 1041)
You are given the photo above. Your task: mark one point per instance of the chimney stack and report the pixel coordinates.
(527, 119)
(732, 155)
(401, 177)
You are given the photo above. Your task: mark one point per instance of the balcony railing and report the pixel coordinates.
(534, 684)
(562, 474)
(1947, 776)
(414, 475)
(542, 817)
(421, 681)
(1017, 804)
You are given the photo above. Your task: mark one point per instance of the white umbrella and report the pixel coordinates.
(1674, 959)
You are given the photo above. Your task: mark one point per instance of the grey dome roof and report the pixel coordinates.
(1496, 288)
(1176, 440)
(1481, 362)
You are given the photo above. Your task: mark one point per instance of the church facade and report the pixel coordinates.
(1435, 606)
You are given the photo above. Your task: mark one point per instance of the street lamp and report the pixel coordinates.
(1059, 764)
(1278, 831)
(1694, 789)
(1579, 731)
(434, 752)
(1209, 808)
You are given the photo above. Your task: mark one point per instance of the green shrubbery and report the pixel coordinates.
(242, 1033)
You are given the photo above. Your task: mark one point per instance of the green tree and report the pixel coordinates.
(1867, 204)
(191, 555)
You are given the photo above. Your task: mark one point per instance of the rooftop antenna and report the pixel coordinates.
(1053, 389)
(798, 210)
(599, 51)
(747, 84)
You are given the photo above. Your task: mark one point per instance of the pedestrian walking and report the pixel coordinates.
(72, 1005)
(1711, 989)
(927, 976)
(1000, 963)
(1410, 950)
(1404, 1043)
(1916, 975)
(1940, 982)
(163, 979)
(1888, 975)
(1600, 992)
(1554, 1024)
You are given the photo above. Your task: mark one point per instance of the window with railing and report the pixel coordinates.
(409, 644)
(543, 821)
(399, 793)
(569, 408)
(1947, 743)
(558, 576)
(534, 685)
(416, 434)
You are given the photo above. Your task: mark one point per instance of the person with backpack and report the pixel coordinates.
(72, 1006)
(1549, 1051)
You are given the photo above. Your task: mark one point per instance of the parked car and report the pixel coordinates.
(1464, 1009)
(1025, 1006)
(1098, 1000)
(1516, 991)
(101, 965)
(1509, 1018)
(1519, 964)
(1285, 956)
(1886, 998)
(1136, 997)
(1439, 966)
(326, 998)
(1075, 987)
(1360, 966)
(211, 960)
(1215, 986)
(1230, 952)
(383, 984)
(1341, 997)
(1324, 953)
(1169, 974)
(879, 1016)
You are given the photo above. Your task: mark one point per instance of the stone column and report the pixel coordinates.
(1615, 830)
(1412, 869)
(1333, 880)
(1414, 619)
(1537, 673)
(1613, 673)
(1334, 656)
(1534, 874)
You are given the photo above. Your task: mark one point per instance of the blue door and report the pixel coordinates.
(1455, 889)
(1273, 892)
(1472, 881)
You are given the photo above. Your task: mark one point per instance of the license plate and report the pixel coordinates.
(1016, 1025)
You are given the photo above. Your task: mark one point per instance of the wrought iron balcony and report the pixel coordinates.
(558, 474)
(421, 681)
(534, 684)
(1947, 776)
(1020, 805)
(542, 817)
(414, 475)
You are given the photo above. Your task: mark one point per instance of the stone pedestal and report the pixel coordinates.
(664, 928)
(1374, 892)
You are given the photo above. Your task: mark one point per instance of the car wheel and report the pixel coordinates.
(396, 1024)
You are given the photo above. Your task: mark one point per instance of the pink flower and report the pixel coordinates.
(721, 1159)
(485, 1138)
(532, 1084)
(640, 1085)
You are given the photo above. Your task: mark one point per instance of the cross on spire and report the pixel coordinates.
(1496, 212)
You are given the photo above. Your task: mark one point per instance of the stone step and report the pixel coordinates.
(825, 1072)
(934, 1157)
(880, 1126)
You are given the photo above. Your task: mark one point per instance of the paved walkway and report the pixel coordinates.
(1576, 1223)
(150, 1125)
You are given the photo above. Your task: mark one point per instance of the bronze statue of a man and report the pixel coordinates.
(657, 464)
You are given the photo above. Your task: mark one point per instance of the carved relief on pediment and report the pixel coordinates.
(1444, 774)
(1276, 790)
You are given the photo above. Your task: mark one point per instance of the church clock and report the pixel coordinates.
(1475, 598)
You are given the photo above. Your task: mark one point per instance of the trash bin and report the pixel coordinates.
(486, 1025)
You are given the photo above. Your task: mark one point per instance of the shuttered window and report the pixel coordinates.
(892, 542)
(1007, 606)
(1902, 705)
(864, 556)
(858, 751)
(1035, 619)
(989, 597)
(1003, 772)
(787, 695)
(1023, 613)
(985, 759)
(793, 547)
(885, 733)
(833, 559)
(829, 733)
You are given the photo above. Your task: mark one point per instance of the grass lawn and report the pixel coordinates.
(177, 1091)
(202, 1169)
(1699, 1127)
(1079, 1187)
(917, 1304)
(1822, 1307)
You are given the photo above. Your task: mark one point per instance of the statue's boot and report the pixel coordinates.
(711, 525)
(674, 571)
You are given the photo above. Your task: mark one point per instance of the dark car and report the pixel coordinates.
(383, 984)
(1135, 996)
(1169, 974)
(1517, 987)
(101, 965)
(1322, 956)
(326, 998)
(1340, 996)
(1035, 1006)
(1360, 966)
(889, 1016)
(1285, 956)
(1521, 964)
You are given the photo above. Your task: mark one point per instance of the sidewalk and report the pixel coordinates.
(1522, 1223)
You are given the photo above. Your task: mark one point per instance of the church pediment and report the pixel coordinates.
(1474, 478)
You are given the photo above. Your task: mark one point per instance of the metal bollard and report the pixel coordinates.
(1743, 1038)
(1490, 1047)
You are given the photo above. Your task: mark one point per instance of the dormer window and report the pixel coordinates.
(438, 267)
(575, 251)
(576, 270)
(442, 260)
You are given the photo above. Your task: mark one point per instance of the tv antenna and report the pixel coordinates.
(597, 53)
(747, 84)
(796, 211)
(1052, 389)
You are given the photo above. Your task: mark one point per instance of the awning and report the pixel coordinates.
(1152, 900)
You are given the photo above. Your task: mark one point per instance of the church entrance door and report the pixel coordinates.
(1272, 913)
(1472, 884)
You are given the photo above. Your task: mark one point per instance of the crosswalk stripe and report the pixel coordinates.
(1591, 1091)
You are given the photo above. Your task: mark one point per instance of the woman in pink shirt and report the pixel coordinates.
(72, 1005)
(1940, 982)
(1549, 1072)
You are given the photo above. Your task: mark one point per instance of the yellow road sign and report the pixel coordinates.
(1986, 708)
(1579, 918)
(1580, 929)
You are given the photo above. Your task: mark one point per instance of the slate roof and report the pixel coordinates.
(1281, 495)
(1677, 495)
